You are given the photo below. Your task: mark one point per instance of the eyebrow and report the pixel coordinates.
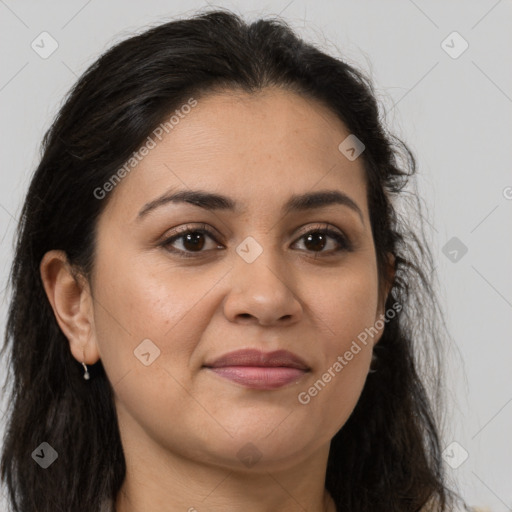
(212, 201)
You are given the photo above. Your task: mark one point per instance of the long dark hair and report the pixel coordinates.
(387, 457)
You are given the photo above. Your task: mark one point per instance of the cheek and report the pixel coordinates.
(346, 303)
(134, 303)
(332, 392)
(345, 309)
(330, 397)
(149, 312)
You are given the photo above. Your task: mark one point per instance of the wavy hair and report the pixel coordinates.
(387, 457)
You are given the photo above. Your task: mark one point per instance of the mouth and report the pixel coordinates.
(255, 369)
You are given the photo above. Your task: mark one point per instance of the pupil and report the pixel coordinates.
(194, 240)
(321, 238)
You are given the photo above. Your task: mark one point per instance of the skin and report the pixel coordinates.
(181, 425)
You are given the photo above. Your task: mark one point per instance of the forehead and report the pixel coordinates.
(270, 122)
(262, 146)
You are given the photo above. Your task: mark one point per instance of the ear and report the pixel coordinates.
(72, 304)
(384, 291)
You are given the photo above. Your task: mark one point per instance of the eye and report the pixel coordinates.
(192, 239)
(316, 240)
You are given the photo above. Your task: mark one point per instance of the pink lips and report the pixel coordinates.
(259, 370)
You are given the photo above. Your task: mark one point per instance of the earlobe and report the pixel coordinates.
(72, 306)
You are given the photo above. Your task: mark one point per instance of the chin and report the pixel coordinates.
(260, 449)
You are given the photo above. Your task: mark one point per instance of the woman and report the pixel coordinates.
(216, 305)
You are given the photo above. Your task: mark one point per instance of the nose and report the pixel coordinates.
(262, 292)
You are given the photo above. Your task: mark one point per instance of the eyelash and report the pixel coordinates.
(344, 243)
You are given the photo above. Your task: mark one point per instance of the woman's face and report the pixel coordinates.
(165, 309)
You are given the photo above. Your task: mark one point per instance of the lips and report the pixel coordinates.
(259, 370)
(254, 357)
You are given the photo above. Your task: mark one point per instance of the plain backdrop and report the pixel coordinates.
(449, 96)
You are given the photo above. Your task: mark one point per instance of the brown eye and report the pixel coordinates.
(318, 239)
(191, 241)
(315, 241)
(195, 240)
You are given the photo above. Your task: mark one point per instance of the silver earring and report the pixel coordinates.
(86, 374)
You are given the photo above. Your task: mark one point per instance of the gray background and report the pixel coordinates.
(455, 114)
